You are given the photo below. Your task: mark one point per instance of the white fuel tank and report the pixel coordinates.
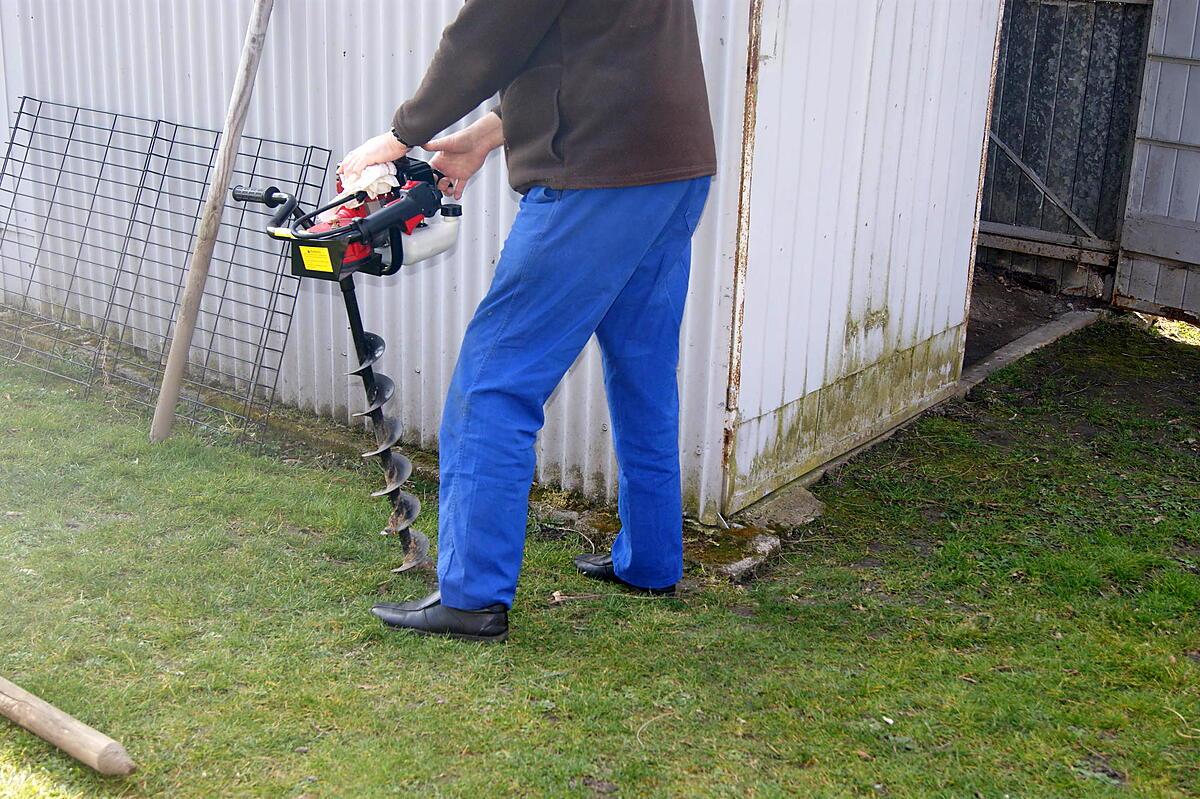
(437, 235)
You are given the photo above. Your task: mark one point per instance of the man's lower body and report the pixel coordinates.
(613, 263)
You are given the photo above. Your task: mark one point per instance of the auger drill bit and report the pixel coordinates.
(379, 389)
(334, 242)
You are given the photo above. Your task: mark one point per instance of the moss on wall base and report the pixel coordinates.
(783, 445)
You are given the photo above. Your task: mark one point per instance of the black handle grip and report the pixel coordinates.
(422, 200)
(270, 197)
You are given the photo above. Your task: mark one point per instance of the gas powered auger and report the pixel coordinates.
(377, 237)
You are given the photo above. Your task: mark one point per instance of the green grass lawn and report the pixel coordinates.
(1001, 601)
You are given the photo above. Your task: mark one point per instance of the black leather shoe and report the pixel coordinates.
(429, 616)
(600, 567)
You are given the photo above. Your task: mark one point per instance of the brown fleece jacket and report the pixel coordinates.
(594, 93)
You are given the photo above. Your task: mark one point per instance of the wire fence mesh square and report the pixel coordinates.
(98, 215)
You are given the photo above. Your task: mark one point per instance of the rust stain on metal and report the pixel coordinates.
(742, 247)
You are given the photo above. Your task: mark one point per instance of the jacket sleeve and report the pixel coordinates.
(481, 52)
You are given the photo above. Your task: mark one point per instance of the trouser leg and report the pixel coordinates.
(567, 259)
(639, 337)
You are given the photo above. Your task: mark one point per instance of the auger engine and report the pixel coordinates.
(371, 235)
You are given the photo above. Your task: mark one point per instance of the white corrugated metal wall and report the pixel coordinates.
(868, 138)
(331, 75)
(853, 267)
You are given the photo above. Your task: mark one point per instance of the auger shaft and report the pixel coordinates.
(379, 388)
(336, 249)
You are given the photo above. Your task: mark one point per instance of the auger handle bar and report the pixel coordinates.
(424, 199)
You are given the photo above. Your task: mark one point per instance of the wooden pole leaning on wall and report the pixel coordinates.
(210, 222)
(90, 747)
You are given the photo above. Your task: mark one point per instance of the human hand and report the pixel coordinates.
(376, 150)
(460, 155)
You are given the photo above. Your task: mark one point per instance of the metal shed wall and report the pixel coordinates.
(867, 146)
(1066, 103)
(331, 74)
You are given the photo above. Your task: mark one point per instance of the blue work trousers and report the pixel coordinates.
(609, 262)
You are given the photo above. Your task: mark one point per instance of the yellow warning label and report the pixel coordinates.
(316, 259)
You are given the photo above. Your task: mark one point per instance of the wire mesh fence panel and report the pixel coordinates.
(98, 215)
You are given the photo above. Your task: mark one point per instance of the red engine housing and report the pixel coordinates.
(360, 252)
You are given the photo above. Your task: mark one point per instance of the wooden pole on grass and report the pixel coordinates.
(210, 222)
(88, 746)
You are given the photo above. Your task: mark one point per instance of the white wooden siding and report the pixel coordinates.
(1159, 267)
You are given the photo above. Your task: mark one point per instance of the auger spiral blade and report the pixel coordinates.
(387, 435)
(397, 469)
(374, 347)
(416, 550)
(405, 506)
(379, 394)
(405, 509)
(380, 389)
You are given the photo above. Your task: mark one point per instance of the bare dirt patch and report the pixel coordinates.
(1096, 767)
(1002, 311)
